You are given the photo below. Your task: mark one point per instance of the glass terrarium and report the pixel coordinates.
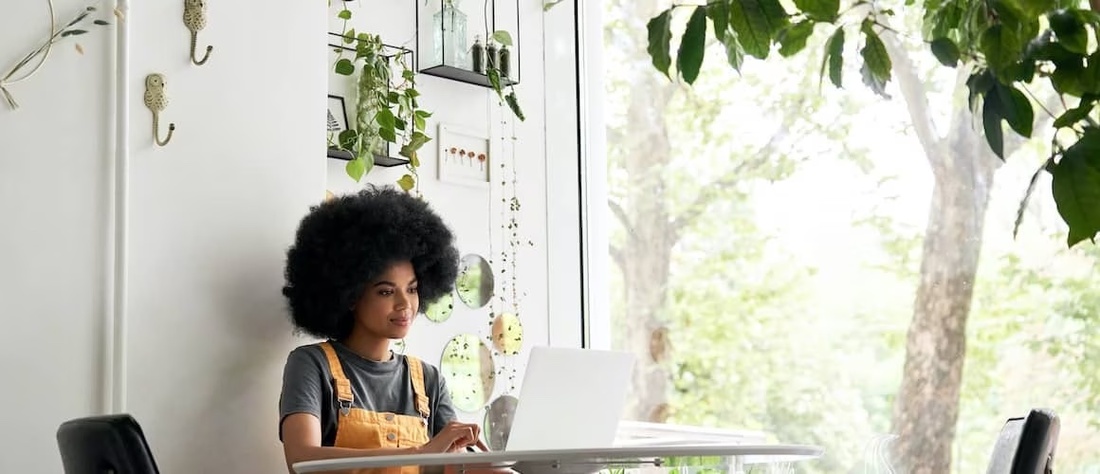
(469, 40)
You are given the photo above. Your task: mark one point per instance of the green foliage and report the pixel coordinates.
(387, 109)
(1006, 45)
(495, 80)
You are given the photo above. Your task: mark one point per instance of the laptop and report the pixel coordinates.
(570, 399)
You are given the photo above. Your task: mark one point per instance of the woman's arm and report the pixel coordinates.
(302, 442)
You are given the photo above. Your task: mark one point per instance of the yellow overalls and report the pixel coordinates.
(362, 429)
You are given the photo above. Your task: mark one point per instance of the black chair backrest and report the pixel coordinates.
(111, 444)
(1026, 445)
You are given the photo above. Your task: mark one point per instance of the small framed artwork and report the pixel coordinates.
(337, 122)
(337, 115)
(463, 156)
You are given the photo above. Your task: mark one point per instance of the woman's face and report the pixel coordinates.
(390, 303)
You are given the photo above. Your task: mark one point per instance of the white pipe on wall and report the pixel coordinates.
(114, 327)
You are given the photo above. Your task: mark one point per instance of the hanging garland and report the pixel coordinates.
(73, 28)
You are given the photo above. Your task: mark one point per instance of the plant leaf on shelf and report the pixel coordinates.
(502, 37)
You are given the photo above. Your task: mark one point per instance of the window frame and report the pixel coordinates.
(576, 224)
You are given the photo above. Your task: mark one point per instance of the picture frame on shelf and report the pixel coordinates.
(464, 156)
(337, 122)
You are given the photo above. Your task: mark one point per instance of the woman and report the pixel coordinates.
(360, 267)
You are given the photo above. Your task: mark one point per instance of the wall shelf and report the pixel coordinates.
(379, 160)
(464, 75)
(446, 30)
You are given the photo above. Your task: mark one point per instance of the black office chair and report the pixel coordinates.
(111, 444)
(1026, 445)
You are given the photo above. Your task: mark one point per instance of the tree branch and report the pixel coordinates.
(711, 191)
(620, 214)
(916, 103)
(617, 257)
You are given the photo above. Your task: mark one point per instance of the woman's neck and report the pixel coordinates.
(369, 347)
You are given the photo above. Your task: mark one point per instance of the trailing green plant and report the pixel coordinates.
(1005, 47)
(73, 28)
(493, 71)
(387, 107)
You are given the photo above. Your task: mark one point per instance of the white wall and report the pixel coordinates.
(210, 216)
(53, 201)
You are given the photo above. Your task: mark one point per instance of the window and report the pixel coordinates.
(782, 257)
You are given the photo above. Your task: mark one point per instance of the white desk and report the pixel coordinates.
(576, 460)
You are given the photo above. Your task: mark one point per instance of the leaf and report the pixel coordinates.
(1076, 187)
(101, 22)
(513, 104)
(757, 22)
(550, 4)
(345, 67)
(1030, 8)
(991, 122)
(78, 18)
(417, 140)
(834, 57)
(945, 51)
(1027, 197)
(735, 55)
(349, 36)
(793, 38)
(979, 84)
(72, 33)
(502, 37)
(876, 61)
(1074, 115)
(388, 134)
(385, 119)
(356, 169)
(347, 139)
(659, 30)
(344, 14)
(719, 13)
(1016, 109)
(419, 122)
(1070, 31)
(1001, 48)
(820, 10)
(494, 80)
(689, 59)
(407, 182)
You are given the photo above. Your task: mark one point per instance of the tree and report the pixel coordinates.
(659, 192)
(1001, 43)
(1003, 46)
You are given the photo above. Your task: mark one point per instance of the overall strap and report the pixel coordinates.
(339, 380)
(416, 373)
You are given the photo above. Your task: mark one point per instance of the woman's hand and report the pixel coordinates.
(453, 437)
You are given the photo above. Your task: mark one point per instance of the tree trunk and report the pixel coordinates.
(647, 250)
(927, 406)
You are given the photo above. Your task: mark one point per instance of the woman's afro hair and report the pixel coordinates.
(346, 242)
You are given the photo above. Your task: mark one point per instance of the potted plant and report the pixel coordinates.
(386, 107)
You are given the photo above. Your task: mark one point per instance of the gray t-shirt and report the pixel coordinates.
(377, 386)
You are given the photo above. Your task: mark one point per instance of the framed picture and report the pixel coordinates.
(463, 156)
(337, 122)
(337, 115)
